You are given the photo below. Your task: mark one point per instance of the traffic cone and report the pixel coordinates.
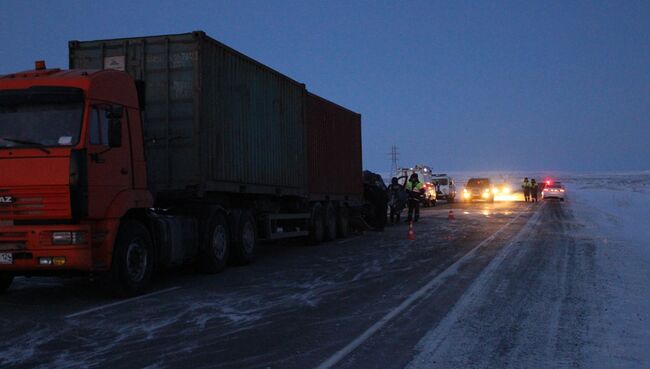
(411, 235)
(451, 215)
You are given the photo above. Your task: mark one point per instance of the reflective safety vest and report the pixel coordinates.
(526, 184)
(414, 186)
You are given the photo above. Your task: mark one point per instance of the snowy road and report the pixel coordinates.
(504, 285)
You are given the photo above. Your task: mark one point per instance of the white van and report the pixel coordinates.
(445, 187)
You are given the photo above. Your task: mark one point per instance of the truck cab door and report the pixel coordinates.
(109, 157)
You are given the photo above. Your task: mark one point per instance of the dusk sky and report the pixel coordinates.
(457, 85)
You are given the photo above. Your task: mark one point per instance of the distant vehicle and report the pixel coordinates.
(478, 189)
(445, 187)
(425, 176)
(502, 189)
(430, 196)
(554, 190)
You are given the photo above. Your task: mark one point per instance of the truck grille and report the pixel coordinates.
(13, 240)
(49, 202)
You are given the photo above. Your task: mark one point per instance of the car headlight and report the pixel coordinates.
(507, 190)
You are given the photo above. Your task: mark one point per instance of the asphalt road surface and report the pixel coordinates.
(502, 285)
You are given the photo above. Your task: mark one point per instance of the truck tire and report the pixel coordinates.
(316, 229)
(5, 281)
(330, 222)
(343, 222)
(216, 245)
(133, 258)
(243, 249)
(450, 199)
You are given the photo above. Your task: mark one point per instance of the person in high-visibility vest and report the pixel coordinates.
(534, 189)
(526, 187)
(415, 189)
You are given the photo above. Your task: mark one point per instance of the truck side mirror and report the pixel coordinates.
(114, 133)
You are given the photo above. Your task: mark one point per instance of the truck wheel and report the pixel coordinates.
(132, 267)
(330, 222)
(450, 199)
(5, 281)
(316, 229)
(343, 222)
(243, 251)
(216, 246)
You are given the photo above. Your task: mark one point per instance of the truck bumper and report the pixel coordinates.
(30, 249)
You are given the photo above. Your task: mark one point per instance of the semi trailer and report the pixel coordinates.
(156, 152)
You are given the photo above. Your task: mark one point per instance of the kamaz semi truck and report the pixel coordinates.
(156, 152)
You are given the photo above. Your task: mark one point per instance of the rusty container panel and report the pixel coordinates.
(214, 119)
(334, 149)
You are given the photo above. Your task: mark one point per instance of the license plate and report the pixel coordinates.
(6, 258)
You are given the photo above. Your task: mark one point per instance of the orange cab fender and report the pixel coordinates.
(127, 200)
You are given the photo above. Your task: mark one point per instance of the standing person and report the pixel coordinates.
(533, 190)
(397, 199)
(415, 189)
(526, 187)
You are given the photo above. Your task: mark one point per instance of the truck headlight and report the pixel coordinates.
(69, 238)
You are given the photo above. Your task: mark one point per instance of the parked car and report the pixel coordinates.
(478, 189)
(554, 190)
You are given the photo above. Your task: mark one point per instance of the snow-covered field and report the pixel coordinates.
(616, 212)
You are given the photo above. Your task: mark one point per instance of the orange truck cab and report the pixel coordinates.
(69, 172)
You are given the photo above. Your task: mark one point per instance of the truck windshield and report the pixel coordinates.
(40, 117)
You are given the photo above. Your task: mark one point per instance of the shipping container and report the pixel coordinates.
(214, 119)
(333, 151)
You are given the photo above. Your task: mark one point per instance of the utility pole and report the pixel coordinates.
(394, 156)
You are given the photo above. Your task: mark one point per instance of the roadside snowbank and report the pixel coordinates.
(616, 213)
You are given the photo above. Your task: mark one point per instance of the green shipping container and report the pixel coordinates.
(214, 119)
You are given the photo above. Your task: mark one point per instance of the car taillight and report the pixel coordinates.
(546, 190)
(561, 189)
